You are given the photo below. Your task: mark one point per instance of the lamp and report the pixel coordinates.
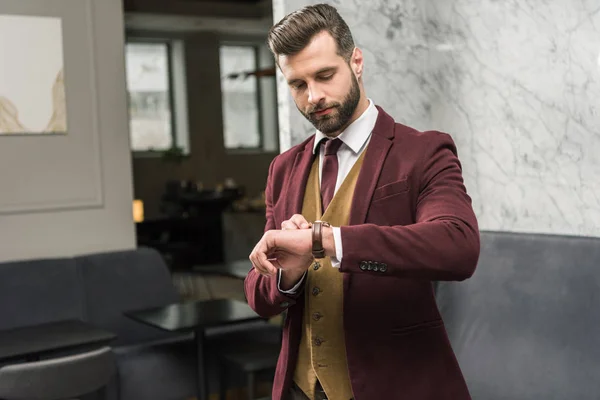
(138, 211)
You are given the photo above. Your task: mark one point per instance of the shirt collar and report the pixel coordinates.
(356, 134)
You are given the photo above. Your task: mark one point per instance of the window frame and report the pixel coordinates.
(171, 98)
(255, 44)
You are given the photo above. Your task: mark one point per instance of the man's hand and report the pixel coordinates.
(296, 222)
(289, 249)
(290, 277)
(285, 249)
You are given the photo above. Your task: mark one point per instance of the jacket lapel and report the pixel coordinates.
(296, 185)
(376, 152)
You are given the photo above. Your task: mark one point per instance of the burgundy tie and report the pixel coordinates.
(330, 171)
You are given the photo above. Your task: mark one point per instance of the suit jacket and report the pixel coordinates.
(411, 223)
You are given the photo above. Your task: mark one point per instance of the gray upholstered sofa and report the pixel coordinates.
(152, 364)
(527, 324)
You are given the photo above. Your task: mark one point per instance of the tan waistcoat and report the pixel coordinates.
(322, 352)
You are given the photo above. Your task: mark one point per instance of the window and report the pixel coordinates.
(249, 102)
(153, 95)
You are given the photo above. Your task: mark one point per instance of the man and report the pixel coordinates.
(361, 321)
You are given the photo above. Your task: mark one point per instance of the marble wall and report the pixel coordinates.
(517, 85)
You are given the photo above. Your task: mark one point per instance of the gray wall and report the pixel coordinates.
(515, 83)
(208, 161)
(71, 194)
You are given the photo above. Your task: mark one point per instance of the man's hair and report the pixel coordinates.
(293, 33)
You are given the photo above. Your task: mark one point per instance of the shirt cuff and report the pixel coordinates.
(337, 239)
(293, 290)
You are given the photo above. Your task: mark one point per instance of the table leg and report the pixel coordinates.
(202, 381)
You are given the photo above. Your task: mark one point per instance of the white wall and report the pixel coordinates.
(71, 194)
(515, 83)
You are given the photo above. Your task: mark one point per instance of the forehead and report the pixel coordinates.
(321, 52)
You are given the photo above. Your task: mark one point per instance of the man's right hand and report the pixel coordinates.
(289, 278)
(288, 249)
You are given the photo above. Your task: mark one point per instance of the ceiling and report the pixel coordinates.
(225, 1)
(246, 9)
(178, 23)
(245, 17)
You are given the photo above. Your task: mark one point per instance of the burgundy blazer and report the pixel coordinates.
(411, 223)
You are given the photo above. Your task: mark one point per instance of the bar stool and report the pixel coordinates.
(63, 378)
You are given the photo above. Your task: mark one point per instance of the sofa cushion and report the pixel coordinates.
(123, 281)
(39, 291)
(527, 324)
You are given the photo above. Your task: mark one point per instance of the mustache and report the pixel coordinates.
(318, 108)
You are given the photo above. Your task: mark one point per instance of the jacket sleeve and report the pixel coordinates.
(442, 244)
(262, 293)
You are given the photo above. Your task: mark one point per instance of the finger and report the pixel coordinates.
(260, 259)
(261, 269)
(288, 225)
(259, 254)
(276, 263)
(254, 260)
(254, 265)
(262, 254)
(300, 221)
(265, 264)
(258, 266)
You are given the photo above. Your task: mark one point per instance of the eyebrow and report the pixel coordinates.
(319, 72)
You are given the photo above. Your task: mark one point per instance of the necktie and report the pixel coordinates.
(330, 171)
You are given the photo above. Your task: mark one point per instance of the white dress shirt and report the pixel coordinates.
(355, 139)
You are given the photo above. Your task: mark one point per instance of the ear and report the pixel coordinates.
(357, 62)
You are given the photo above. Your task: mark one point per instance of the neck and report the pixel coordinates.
(362, 106)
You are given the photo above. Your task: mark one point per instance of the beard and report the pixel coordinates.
(341, 114)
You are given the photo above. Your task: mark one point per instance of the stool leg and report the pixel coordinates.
(250, 385)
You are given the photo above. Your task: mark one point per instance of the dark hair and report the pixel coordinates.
(293, 33)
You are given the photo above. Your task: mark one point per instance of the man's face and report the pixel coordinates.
(323, 86)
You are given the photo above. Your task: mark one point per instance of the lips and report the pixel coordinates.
(325, 111)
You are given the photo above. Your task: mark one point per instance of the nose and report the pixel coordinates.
(315, 94)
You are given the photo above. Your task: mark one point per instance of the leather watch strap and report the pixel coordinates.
(318, 251)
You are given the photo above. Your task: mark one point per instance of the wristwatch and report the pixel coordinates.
(318, 251)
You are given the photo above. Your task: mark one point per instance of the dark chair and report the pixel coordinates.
(527, 324)
(152, 364)
(63, 378)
